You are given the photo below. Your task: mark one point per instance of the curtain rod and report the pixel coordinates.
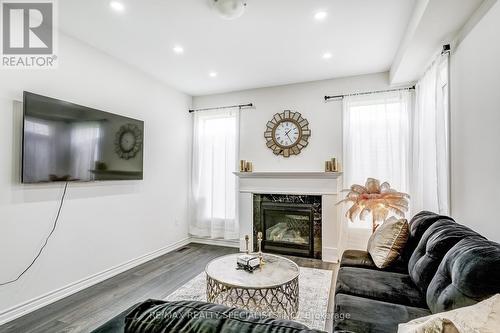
(249, 105)
(327, 98)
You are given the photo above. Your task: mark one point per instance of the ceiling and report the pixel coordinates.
(275, 42)
(433, 24)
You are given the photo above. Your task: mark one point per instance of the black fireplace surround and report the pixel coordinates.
(290, 224)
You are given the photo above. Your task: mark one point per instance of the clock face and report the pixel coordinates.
(287, 134)
(127, 141)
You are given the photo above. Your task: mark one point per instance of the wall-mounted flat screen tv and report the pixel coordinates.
(64, 142)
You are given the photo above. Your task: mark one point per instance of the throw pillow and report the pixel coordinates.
(388, 241)
(483, 317)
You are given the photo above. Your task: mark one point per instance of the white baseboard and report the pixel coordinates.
(330, 254)
(217, 242)
(58, 294)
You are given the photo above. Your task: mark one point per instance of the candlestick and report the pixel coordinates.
(247, 238)
(259, 245)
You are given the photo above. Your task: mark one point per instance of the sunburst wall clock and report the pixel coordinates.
(128, 141)
(287, 133)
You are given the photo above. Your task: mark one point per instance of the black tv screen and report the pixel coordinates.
(63, 141)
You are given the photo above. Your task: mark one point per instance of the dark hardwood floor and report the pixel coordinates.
(158, 278)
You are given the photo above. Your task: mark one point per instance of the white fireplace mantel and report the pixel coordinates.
(290, 174)
(326, 184)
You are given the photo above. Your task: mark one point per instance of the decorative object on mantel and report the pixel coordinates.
(377, 199)
(332, 165)
(287, 133)
(246, 166)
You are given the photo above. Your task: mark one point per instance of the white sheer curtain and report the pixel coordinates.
(376, 130)
(430, 141)
(214, 186)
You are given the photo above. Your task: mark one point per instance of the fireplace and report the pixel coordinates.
(290, 224)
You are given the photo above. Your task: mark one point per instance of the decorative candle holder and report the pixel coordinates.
(246, 166)
(247, 239)
(328, 166)
(259, 246)
(332, 165)
(335, 166)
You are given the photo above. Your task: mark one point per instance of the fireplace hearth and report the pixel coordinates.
(290, 224)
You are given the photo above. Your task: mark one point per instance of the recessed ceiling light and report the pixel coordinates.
(320, 16)
(178, 49)
(212, 74)
(327, 55)
(117, 6)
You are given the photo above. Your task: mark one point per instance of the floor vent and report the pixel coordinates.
(182, 249)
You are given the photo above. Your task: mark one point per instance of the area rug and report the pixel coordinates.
(314, 291)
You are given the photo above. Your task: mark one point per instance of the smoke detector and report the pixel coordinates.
(229, 9)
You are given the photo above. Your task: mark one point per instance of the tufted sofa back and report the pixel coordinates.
(469, 273)
(418, 225)
(436, 241)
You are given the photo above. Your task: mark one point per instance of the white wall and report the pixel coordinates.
(475, 127)
(325, 119)
(102, 225)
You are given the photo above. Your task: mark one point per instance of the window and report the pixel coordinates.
(215, 156)
(376, 140)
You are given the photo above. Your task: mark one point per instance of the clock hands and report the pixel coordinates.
(286, 133)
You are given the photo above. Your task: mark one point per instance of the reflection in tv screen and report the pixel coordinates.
(68, 142)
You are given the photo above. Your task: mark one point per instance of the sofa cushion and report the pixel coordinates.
(469, 273)
(362, 259)
(418, 225)
(378, 285)
(387, 242)
(362, 315)
(437, 240)
(199, 317)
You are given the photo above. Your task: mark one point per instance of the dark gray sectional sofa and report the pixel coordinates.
(445, 266)
(155, 316)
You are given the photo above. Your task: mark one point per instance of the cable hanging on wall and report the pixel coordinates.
(54, 226)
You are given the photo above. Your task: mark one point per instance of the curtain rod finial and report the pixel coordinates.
(446, 48)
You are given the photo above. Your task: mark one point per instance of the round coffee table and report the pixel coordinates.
(272, 290)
